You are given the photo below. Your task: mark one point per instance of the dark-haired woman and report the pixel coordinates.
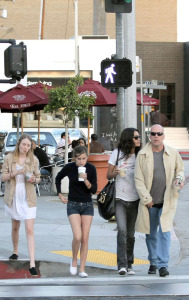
(80, 209)
(127, 198)
(20, 172)
(82, 142)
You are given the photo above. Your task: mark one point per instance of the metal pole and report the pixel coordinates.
(76, 53)
(142, 107)
(130, 53)
(40, 19)
(76, 39)
(99, 28)
(120, 91)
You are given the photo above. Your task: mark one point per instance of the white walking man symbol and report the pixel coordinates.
(110, 72)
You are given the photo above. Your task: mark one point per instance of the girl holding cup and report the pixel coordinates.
(20, 195)
(80, 209)
(127, 198)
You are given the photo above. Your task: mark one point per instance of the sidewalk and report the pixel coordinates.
(53, 238)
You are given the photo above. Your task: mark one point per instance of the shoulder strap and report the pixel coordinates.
(117, 156)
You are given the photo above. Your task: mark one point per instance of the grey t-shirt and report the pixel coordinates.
(159, 178)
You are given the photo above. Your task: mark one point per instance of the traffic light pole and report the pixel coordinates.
(119, 54)
(130, 53)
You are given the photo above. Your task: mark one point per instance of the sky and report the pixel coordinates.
(182, 20)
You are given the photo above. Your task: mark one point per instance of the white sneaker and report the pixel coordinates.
(122, 271)
(1, 194)
(73, 270)
(83, 274)
(130, 271)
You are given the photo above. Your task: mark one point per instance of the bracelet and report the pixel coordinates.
(88, 185)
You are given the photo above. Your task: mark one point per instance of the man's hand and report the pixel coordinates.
(150, 205)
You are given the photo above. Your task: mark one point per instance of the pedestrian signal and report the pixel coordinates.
(15, 58)
(116, 73)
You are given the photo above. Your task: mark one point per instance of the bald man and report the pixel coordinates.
(159, 175)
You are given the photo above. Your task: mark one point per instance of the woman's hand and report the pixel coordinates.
(83, 175)
(21, 171)
(62, 198)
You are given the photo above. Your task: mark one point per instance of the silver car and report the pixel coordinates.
(47, 141)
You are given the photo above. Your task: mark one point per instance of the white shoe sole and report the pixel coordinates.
(83, 275)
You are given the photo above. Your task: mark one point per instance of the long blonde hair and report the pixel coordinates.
(16, 150)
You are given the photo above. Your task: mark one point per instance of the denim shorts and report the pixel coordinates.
(79, 208)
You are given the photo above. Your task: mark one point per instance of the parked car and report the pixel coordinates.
(74, 134)
(47, 141)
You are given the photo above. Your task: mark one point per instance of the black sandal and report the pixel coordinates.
(13, 257)
(33, 271)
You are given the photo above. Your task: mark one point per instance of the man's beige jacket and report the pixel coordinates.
(144, 169)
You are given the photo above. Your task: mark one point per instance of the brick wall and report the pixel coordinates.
(155, 19)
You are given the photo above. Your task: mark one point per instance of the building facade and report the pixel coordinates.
(156, 21)
(156, 35)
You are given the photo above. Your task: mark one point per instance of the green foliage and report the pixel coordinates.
(69, 101)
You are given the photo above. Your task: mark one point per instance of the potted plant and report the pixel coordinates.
(71, 103)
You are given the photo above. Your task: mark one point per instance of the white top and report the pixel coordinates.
(60, 151)
(19, 209)
(125, 186)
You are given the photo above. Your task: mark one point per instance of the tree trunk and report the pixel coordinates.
(66, 144)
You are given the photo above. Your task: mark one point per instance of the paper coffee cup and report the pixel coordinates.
(80, 171)
(122, 173)
(28, 175)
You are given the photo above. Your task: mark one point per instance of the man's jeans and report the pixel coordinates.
(158, 242)
(126, 214)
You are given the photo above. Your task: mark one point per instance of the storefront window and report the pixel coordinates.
(167, 103)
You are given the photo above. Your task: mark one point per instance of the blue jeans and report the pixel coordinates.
(158, 242)
(45, 172)
(126, 214)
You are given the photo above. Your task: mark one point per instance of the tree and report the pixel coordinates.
(71, 103)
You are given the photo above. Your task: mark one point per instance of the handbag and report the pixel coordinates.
(106, 199)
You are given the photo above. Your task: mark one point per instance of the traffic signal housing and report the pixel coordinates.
(116, 73)
(118, 6)
(15, 61)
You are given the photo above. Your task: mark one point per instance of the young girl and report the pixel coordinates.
(20, 172)
(80, 209)
(127, 198)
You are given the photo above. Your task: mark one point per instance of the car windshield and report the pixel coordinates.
(46, 138)
(72, 132)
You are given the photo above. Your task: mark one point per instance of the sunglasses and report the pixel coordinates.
(136, 137)
(156, 133)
